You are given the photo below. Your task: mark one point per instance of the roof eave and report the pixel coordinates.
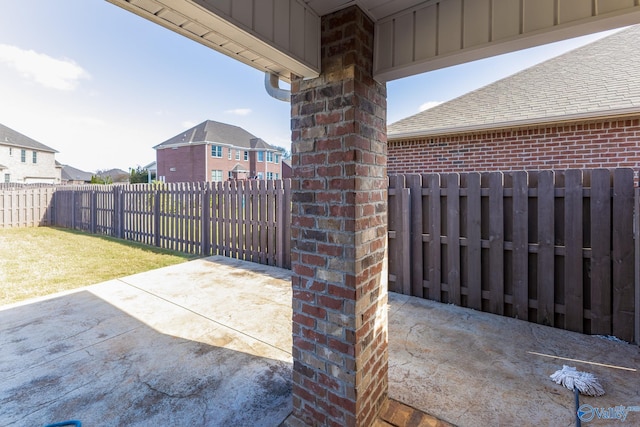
(622, 112)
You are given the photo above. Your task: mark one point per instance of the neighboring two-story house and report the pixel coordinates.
(214, 151)
(26, 161)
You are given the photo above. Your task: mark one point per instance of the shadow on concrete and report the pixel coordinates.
(81, 356)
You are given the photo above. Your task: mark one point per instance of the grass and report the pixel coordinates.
(43, 260)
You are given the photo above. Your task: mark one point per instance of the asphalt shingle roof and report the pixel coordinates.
(216, 132)
(11, 137)
(70, 173)
(598, 79)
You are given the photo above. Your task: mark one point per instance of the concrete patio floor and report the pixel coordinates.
(208, 343)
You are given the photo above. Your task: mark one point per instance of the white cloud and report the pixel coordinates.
(61, 74)
(429, 104)
(239, 111)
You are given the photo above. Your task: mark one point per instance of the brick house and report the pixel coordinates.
(214, 151)
(578, 110)
(25, 160)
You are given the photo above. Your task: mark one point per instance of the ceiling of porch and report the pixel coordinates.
(412, 36)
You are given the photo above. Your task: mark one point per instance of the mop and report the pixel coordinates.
(580, 382)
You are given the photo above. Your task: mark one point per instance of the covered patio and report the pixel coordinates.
(208, 343)
(338, 56)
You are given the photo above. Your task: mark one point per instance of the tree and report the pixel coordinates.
(97, 179)
(284, 152)
(140, 175)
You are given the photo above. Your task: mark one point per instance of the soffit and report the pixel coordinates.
(412, 36)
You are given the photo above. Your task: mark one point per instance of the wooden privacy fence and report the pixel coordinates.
(25, 206)
(249, 220)
(555, 248)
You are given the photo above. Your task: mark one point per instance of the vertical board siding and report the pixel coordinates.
(551, 247)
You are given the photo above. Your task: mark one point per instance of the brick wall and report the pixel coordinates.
(182, 164)
(607, 143)
(194, 163)
(339, 231)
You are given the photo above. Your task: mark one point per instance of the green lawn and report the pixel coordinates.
(43, 260)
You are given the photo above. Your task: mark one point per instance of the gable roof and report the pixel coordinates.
(69, 173)
(598, 79)
(218, 133)
(13, 138)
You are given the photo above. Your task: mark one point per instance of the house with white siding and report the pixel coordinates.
(26, 161)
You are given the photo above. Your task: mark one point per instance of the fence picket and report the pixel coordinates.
(545, 257)
(473, 224)
(496, 243)
(453, 237)
(573, 292)
(435, 246)
(414, 182)
(520, 241)
(622, 255)
(600, 262)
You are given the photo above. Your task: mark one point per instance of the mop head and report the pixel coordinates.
(585, 382)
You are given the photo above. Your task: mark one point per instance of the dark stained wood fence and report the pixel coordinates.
(555, 248)
(249, 220)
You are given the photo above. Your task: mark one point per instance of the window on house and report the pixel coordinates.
(260, 175)
(261, 156)
(277, 175)
(246, 155)
(229, 154)
(237, 154)
(7, 177)
(10, 151)
(277, 158)
(216, 175)
(230, 175)
(35, 157)
(216, 151)
(270, 156)
(269, 175)
(23, 156)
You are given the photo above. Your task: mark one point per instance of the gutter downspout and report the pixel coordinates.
(271, 84)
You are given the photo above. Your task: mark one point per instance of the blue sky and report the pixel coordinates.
(103, 86)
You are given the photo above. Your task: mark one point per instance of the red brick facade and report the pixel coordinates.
(339, 231)
(195, 163)
(604, 143)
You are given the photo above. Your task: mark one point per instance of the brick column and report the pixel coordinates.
(339, 231)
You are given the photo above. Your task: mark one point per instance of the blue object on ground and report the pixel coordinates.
(66, 423)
